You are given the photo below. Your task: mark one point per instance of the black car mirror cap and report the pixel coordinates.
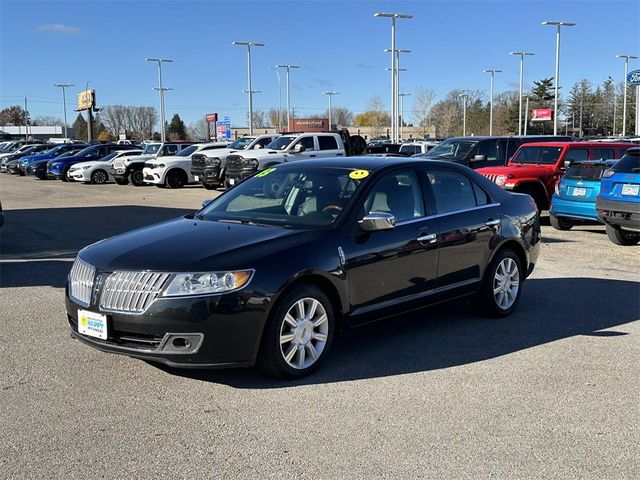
(376, 221)
(479, 158)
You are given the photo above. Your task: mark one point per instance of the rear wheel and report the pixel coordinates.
(560, 223)
(64, 175)
(176, 179)
(298, 334)
(502, 284)
(622, 237)
(99, 177)
(137, 178)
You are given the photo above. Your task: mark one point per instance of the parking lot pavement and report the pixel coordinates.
(550, 392)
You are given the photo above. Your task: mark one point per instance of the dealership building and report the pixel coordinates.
(44, 132)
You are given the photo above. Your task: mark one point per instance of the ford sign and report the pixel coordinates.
(634, 77)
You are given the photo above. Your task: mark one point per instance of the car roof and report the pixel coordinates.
(370, 162)
(577, 144)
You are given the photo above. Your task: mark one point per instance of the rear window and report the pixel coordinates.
(604, 153)
(585, 172)
(327, 143)
(630, 163)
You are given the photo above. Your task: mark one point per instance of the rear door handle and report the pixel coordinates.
(430, 238)
(312, 156)
(492, 223)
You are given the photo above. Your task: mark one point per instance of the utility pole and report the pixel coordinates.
(330, 95)
(26, 120)
(522, 55)
(464, 97)
(493, 73)
(249, 89)
(624, 99)
(275, 69)
(526, 114)
(64, 102)
(288, 67)
(161, 91)
(558, 25)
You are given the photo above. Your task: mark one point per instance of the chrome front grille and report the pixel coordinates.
(491, 176)
(81, 282)
(131, 292)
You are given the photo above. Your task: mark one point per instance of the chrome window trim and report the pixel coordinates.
(446, 214)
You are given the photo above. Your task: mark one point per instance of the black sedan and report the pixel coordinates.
(269, 271)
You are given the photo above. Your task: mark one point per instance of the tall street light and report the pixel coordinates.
(64, 102)
(330, 95)
(464, 97)
(249, 89)
(275, 69)
(624, 99)
(401, 96)
(161, 91)
(493, 73)
(558, 25)
(394, 90)
(288, 67)
(397, 83)
(521, 55)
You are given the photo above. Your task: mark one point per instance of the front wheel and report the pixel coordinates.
(99, 177)
(622, 237)
(137, 178)
(560, 223)
(176, 179)
(502, 284)
(298, 334)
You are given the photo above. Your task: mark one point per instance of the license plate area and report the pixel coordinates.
(630, 189)
(232, 181)
(579, 191)
(92, 324)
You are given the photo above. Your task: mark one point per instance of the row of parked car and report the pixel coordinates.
(577, 182)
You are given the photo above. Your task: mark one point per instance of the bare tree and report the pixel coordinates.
(422, 106)
(114, 118)
(46, 120)
(342, 116)
(198, 130)
(272, 116)
(259, 119)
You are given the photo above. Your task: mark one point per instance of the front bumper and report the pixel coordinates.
(561, 207)
(209, 175)
(153, 175)
(79, 175)
(239, 174)
(625, 215)
(224, 330)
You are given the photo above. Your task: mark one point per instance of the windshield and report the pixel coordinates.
(537, 155)
(187, 151)
(151, 149)
(109, 157)
(299, 197)
(242, 143)
(281, 143)
(86, 151)
(585, 171)
(452, 149)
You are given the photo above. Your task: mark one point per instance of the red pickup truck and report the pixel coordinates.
(535, 168)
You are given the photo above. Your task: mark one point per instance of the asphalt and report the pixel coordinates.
(550, 392)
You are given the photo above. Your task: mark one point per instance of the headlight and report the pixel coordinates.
(206, 283)
(88, 166)
(252, 162)
(608, 173)
(501, 179)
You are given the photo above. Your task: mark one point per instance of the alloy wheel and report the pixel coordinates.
(506, 283)
(303, 333)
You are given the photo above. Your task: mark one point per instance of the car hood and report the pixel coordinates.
(186, 244)
(34, 158)
(92, 163)
(517, 171)
(260, 153)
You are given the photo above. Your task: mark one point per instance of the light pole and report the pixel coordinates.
(624, 99)
(161, 91)
(249, 89)
(401, 119)
(397, 84)
(493, 74)
(558, 25)
(288, 67)
(275, 69)
(64, 102)
(522, 55)
(464, 97)
(394, 91)
(526, 113)
(330, 95)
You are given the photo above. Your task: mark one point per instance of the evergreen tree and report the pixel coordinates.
(176, 130)
(79, 128)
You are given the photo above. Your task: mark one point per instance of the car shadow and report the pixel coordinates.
(453, 334)
(37, 245)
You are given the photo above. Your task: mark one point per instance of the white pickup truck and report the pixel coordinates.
(290, 147)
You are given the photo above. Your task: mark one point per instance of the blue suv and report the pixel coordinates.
(58, 167)
(618, 204)
(575, 198)
(49, 154)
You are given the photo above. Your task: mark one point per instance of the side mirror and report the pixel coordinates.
(479, 158)
(206, 202)
(257, 146)
(566, 164)
(298, 148)
(375, 221)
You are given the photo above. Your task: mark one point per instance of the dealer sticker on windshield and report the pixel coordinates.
(359, 174)
(92, 324)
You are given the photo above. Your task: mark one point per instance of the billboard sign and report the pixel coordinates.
(86, 99)
(211, 117)
(541, 114)
(633, 78)
(309, 124)
(223, 130)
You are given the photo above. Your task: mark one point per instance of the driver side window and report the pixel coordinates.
(306, 142)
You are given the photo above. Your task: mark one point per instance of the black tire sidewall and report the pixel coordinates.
(618, 237)
(137, 174)
(93, 177)
(175, 174)
(270, 357)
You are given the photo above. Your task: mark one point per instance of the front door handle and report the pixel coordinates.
(430, 238)
(312, 156)
(492, 223)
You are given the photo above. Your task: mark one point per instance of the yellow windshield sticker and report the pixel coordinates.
(359, 174)
(266, 172)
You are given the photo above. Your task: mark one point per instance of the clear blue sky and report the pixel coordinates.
(338, 44)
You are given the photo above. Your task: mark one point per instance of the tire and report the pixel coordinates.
(121, 181)
(176, 179)
(311, 335)
(137, 178)
(621, 237)
(560, 223)
(208, 186)
(501, 303)
(99, 177)
(64, 175)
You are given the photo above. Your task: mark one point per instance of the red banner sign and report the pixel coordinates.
(211, 117)
(541, 114)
